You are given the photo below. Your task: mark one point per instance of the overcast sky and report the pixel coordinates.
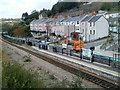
(15, 8)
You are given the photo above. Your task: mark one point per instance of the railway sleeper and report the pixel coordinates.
(90, 78)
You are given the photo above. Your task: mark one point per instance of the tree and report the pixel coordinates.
(25, 16)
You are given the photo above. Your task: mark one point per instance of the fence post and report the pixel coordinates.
(70, 52)
(53, 49)
(81, 54)
(109, 61)
(39, 46)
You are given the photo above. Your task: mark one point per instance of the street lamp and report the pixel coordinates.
(81, 39)
(47, 28)
(68, 39)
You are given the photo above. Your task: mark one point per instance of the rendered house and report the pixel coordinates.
(114, 24)
(40, 28)
(112, 15)
(91, 27)
(94, 27)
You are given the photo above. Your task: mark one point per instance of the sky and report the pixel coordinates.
(15, 8)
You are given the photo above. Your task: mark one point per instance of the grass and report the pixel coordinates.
(15, 76)
(52, 76)
(27, 58)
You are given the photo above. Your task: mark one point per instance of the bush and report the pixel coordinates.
(27, 58)
(14, 76)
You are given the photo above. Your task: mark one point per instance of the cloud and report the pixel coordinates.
(15, 8)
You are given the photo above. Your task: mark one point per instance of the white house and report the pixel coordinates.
(40, 27)
(91, 27)
(112, 14)
(94, 27)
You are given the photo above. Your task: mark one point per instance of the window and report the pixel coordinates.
(90, 24)
(93, 23)
(93, 31)
(83, 30)
(90, 31)
(77, 22)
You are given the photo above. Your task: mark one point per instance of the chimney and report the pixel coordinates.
(65, 16)
(86, 13)
(93, 14)
(81, 14)
(55, 17)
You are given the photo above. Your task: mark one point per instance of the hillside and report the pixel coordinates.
(84, 7)
(60, 8)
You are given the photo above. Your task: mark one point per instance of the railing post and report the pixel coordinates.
(70, 52)
(53, 48)
(62, 50)
(109, 61)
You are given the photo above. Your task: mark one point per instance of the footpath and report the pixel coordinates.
(106, 53)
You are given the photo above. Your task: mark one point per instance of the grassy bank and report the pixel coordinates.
(15, 76)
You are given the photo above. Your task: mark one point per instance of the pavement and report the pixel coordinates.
(104, 53)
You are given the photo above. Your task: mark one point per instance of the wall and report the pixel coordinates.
(102, 28)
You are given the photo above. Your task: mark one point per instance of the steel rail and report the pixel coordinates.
(72, 69)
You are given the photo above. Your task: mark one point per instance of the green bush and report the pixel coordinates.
(27, 58)
(14, 76)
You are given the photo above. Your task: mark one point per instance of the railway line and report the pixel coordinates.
(104, 82)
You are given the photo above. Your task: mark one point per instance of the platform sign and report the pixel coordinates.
(64, 46)
(86, 52)
(43, 43)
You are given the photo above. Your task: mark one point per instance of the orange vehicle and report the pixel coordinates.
(78, 45)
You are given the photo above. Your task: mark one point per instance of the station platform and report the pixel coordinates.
(99, 69)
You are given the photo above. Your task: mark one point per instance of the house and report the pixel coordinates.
(101, 12)
(43, 16)
(89, 27)
(39, 28)
(84, 27)
(94, 27)
(60, 28)
(113, 24)
(112, 14)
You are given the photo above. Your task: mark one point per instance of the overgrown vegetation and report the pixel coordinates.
(15, 76)
(22, 28)
(108, 42)
(110, 6)
(27, 58)
(18, 29)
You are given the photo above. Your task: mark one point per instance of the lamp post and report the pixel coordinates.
(81, 39)
(68, 39)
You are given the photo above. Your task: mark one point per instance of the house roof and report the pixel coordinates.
(78, 18)
(49, 20)
(113, 12)
(58, 19)
(87, 18)
(67, 19)
(94, 19)
(113, 19)
(44, 15)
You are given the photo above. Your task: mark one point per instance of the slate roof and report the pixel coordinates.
(58, 19)
(67, 19)
(87, 18)
(78, 18)
(44, 15)
(113, 19)
(94, 19)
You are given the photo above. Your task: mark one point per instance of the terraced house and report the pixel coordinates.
(89, 27)
(94, 27)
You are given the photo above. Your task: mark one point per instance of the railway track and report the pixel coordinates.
(103, 82)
